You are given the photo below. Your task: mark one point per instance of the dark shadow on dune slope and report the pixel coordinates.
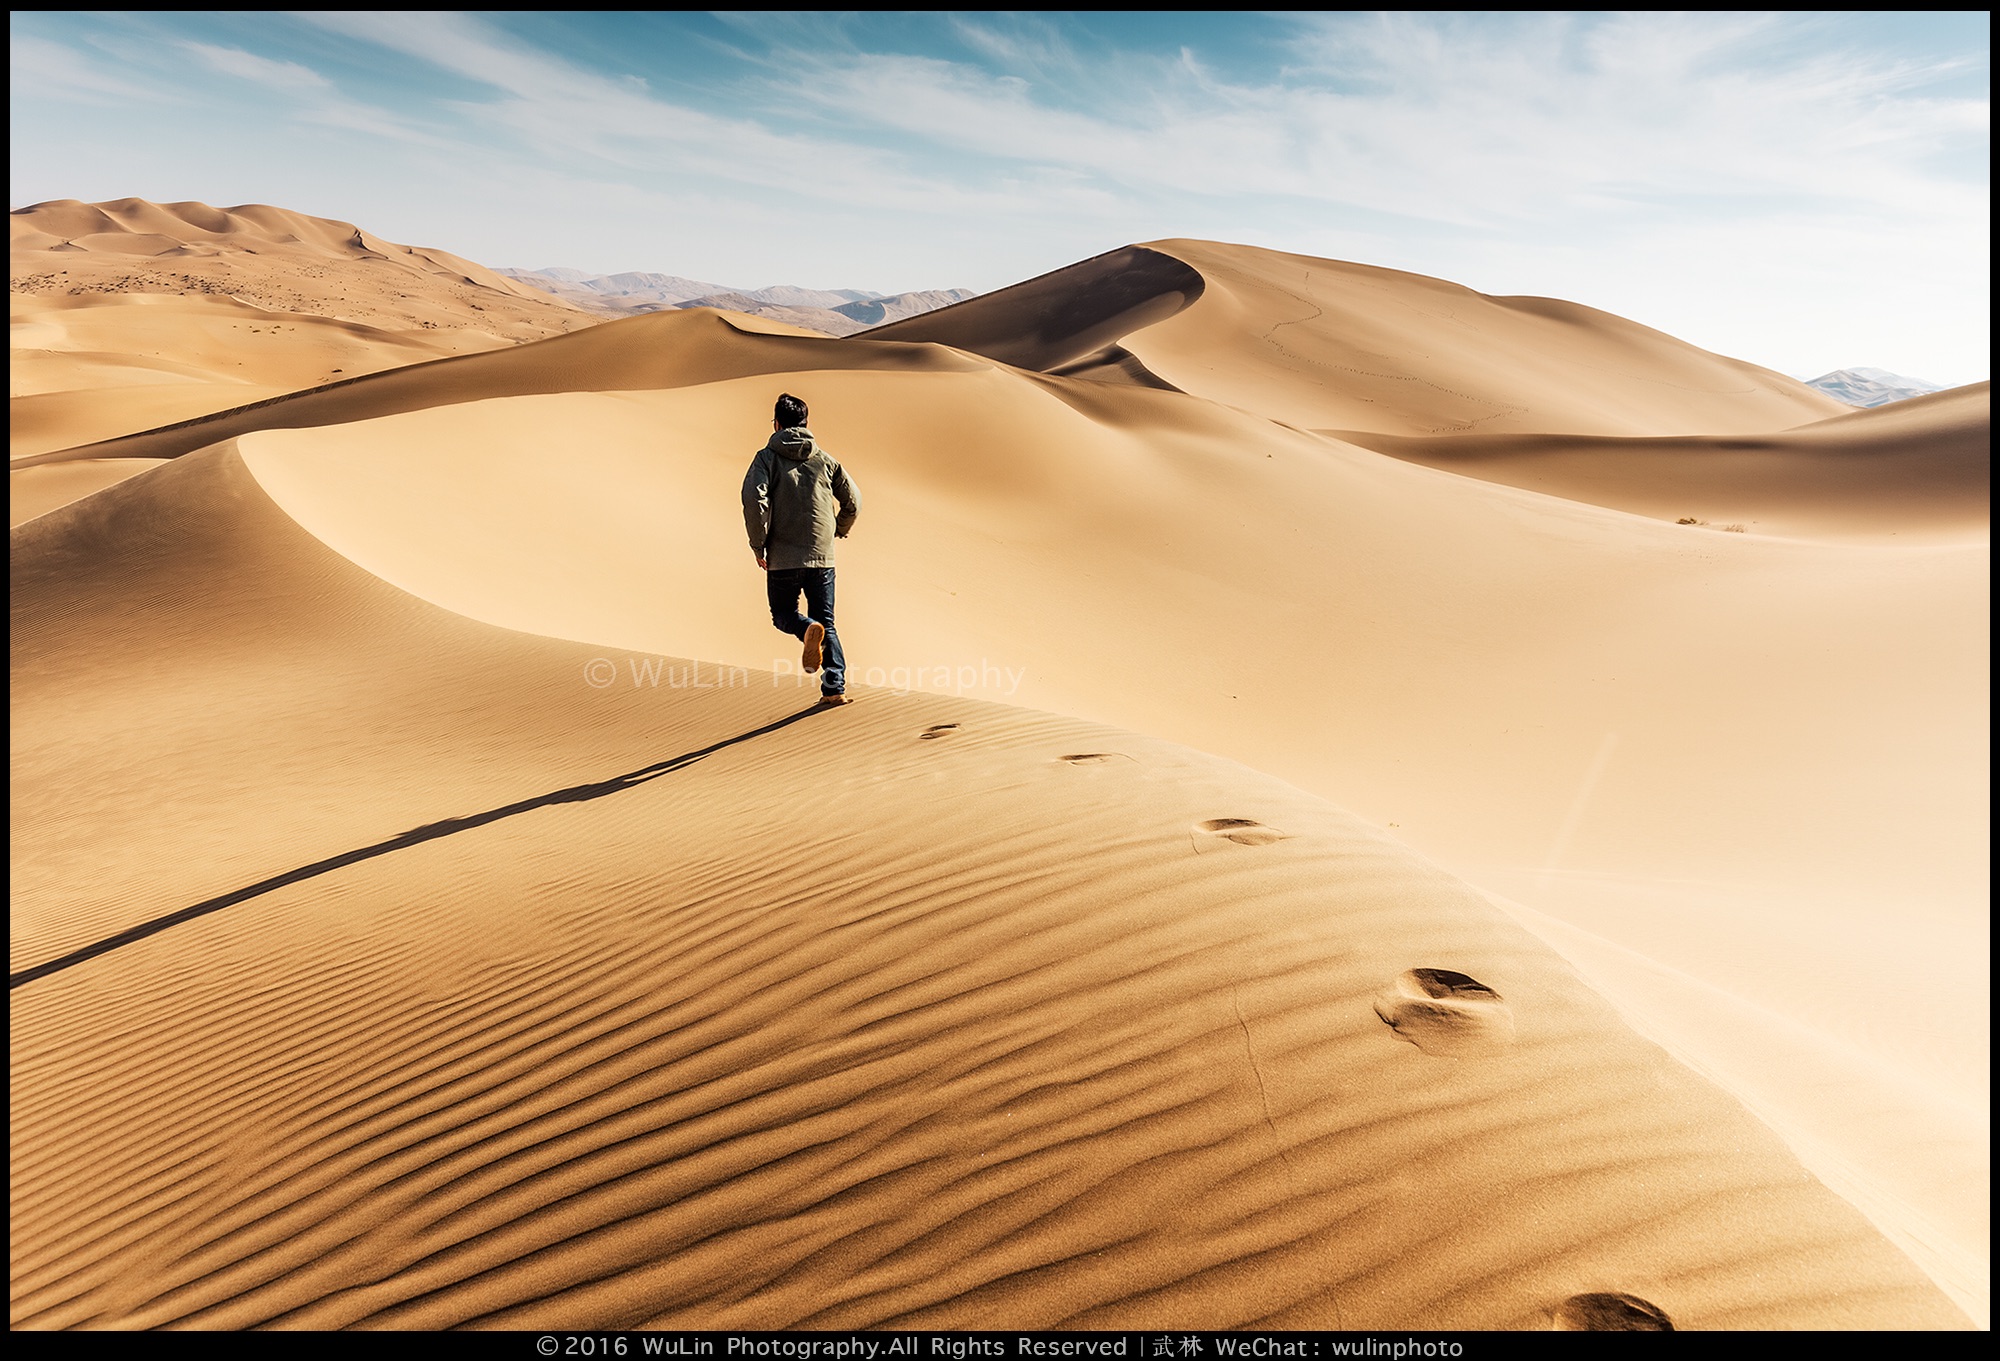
(1068, 321)
(416, 836)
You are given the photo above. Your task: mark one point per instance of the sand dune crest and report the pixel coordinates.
(1329, 344)
(660, 350)
(131, 316)
(1914, 471)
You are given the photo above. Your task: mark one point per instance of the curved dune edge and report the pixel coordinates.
(1300, 339)
(1914, 471)
(37, 491)
(1069, 321)
(656, 351)
(777, 1036)
(89, 367)
(1324, 344)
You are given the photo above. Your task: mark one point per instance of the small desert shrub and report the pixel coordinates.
(1687, 520)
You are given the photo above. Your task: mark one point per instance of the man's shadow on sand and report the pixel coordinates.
(416, 836)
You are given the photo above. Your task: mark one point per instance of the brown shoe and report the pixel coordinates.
(830, 700)
(815, 635)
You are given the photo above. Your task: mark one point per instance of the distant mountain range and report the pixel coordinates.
(835, 311)
(1871, 387)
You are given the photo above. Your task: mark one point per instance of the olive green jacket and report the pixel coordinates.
(796, 501)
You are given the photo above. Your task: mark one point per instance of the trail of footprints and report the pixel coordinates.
(1442, 1012)
(1449, 1014)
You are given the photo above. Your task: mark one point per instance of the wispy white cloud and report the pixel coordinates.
(1025, 44)
(1452, 123)
(1783, 166)
(563, 111)
(317, 98)
(1741, 157)
(288, 77)
(40, 69)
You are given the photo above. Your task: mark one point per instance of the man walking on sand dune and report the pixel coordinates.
(796, 501)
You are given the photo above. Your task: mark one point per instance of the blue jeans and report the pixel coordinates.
(785, 585)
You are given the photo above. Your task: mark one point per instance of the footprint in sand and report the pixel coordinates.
(1094, 758)
(1211, 833)
(1611, 1311)
(937, 730)
(1446, 1013)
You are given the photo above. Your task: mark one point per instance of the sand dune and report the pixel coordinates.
(91, 243)
(1057, 506)
(678, 1009)
(1066, 321)
(1742, 773)
(1324, 344)
(1919, 470)
(1779, 735)
(92, 368)
(659, 350)
(37, 491)
(131, 315)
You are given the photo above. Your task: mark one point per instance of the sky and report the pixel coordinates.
(1805, 190)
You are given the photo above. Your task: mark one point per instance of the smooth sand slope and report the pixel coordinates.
(1760, 759)
(1913, 471)
(129, 315)
(1324, 344)
(648, 353)
(1738, 779)
(529, 1003)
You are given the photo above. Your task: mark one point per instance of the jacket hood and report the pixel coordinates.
(795, 444)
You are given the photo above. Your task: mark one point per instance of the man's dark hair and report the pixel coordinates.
(790, 412)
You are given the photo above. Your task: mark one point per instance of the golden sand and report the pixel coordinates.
(1580, 913)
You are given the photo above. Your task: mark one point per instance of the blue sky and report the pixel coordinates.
(1807, 191)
